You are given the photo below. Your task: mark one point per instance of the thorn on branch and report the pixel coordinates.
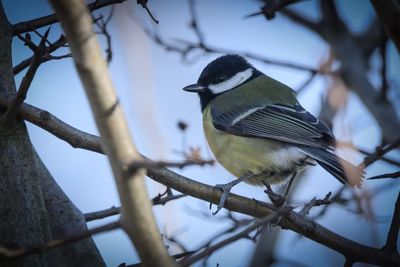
(314, 203)
(271, 7)
(143, 3)
(392, 175)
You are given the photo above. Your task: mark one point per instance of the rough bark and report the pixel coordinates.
(33, 209)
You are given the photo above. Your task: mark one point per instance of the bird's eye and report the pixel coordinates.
(221, 78)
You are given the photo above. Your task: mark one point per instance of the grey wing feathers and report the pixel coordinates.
(288, 124)
(291, 125)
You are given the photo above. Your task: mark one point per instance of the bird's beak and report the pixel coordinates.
(194, 88)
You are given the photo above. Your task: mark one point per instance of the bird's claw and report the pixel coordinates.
(277, 199)
(226, 189)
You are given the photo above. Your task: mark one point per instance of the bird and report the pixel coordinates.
(257, 129)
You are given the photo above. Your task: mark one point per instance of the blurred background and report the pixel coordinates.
(150, 65)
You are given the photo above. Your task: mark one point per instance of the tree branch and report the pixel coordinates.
(137, 218)
(391, 241)
(117, 210)
(51, 48)
(12, 110)
(271, 7)
(236, 203)
(7, 253)
(295, 17)
(386, 175)
(379, 153)
(257, 223)
(388, 12)
(30, 25)
(353, 68)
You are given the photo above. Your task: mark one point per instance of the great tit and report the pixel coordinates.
(256, 127)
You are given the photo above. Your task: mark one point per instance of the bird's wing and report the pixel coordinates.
(291, 124)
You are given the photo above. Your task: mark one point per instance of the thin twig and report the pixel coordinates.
(316, 27)
(143, 3)
(7, 253)
(314, 203)
(60, 42)
(392, 175)
(12, 111)
(251, 207)
(379, 153)
(367, 153)
(102, 24)
(37, 23)
(271, 7)
(257, 223)
(306, 83)
(147, 164)
(384, 85)
(187, 47)
(96, 215)
(194, 22)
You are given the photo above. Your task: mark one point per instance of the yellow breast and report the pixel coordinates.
(244, 155)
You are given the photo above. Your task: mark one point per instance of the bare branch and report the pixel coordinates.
(388, 12)
(186, 47)
(148, 164)
(386, 175)
(194, 23)
(55, 126)
(314, 203)
(391, 241)
(384, 84)
(143, 3)
(102, 23)
(117, 210)
(251, 207)
(37, 23)
(8, 253)
(271, 7)
(137, 218)
(306, 83)
(12, 110)
(189, 46)
(244, 233)
(379, 153)
(61, 42)
(371, 38)
(295, 17)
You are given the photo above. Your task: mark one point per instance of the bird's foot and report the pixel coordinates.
(276, 199)
(226, 189)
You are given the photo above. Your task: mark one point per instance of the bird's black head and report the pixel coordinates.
(223, 74)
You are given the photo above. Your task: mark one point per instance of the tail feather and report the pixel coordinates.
(341, 169)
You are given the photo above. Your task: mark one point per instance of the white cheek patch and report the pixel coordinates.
(234, 81)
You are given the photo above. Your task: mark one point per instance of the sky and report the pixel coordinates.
(149, 79)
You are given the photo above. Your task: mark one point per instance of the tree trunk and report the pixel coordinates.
(33, 209)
